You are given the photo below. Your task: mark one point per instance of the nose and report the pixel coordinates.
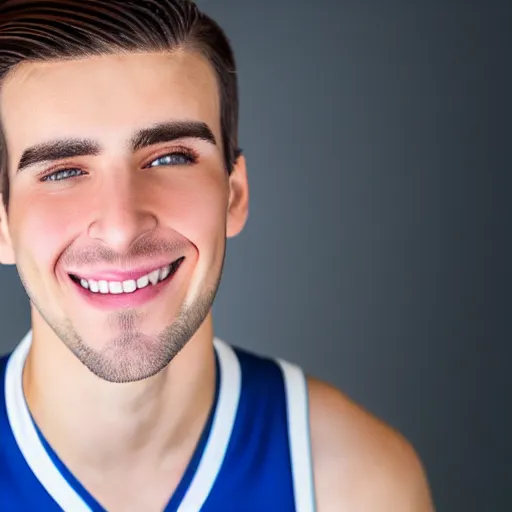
(121, 215)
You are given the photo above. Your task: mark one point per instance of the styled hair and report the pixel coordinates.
(46, 30)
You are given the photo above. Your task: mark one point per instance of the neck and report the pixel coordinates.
(148, 422)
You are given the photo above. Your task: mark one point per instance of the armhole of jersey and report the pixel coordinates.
(297, 405)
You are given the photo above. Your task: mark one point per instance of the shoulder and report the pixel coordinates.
(359, 462)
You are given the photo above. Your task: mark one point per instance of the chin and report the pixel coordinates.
(126, 357)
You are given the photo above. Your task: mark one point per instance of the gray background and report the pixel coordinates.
(377, 254)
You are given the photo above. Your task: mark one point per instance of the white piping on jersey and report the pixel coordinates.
(222, 427)
(57, 486)
(297, 405)
(27, 438)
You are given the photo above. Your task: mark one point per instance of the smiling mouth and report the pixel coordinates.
(132, 285)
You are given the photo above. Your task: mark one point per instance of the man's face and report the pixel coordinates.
(104, 201)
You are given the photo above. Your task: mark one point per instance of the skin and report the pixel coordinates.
(144, 430)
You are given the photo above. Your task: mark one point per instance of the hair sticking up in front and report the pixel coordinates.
(45, 30)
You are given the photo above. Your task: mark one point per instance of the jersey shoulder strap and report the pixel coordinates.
(297, 404)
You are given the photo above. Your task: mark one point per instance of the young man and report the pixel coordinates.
(121, 180)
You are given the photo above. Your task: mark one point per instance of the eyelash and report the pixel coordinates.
(189, 156)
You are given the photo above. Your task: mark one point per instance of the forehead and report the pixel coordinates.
(107, 97)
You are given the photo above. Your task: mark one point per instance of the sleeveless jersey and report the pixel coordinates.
(253, 455)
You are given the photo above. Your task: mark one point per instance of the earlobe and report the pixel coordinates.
(6, 252)
(238, 208)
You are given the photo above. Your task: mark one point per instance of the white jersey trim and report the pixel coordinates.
(297, 405)
(222, 427)
(57, 486)
(27, 438)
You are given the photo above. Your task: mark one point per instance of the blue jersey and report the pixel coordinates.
(253, 455)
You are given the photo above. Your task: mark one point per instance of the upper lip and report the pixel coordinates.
(117, 274)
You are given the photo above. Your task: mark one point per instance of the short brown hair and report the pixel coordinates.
(44, 30)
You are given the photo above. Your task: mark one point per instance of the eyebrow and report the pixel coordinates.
(167, 132)
(158, 133)
(57, 150)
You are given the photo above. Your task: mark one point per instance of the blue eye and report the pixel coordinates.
(62, 175)
(177, 158)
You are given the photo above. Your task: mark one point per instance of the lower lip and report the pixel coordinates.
(126, 300)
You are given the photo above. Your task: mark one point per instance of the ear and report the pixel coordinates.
(238, 208)
(6, 251)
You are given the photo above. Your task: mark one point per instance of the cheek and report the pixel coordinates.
(196, 207)
(197, 211)
(42, 226)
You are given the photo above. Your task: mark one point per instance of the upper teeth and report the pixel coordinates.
(117, 287)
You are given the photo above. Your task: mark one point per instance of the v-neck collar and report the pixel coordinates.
(201, 472)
